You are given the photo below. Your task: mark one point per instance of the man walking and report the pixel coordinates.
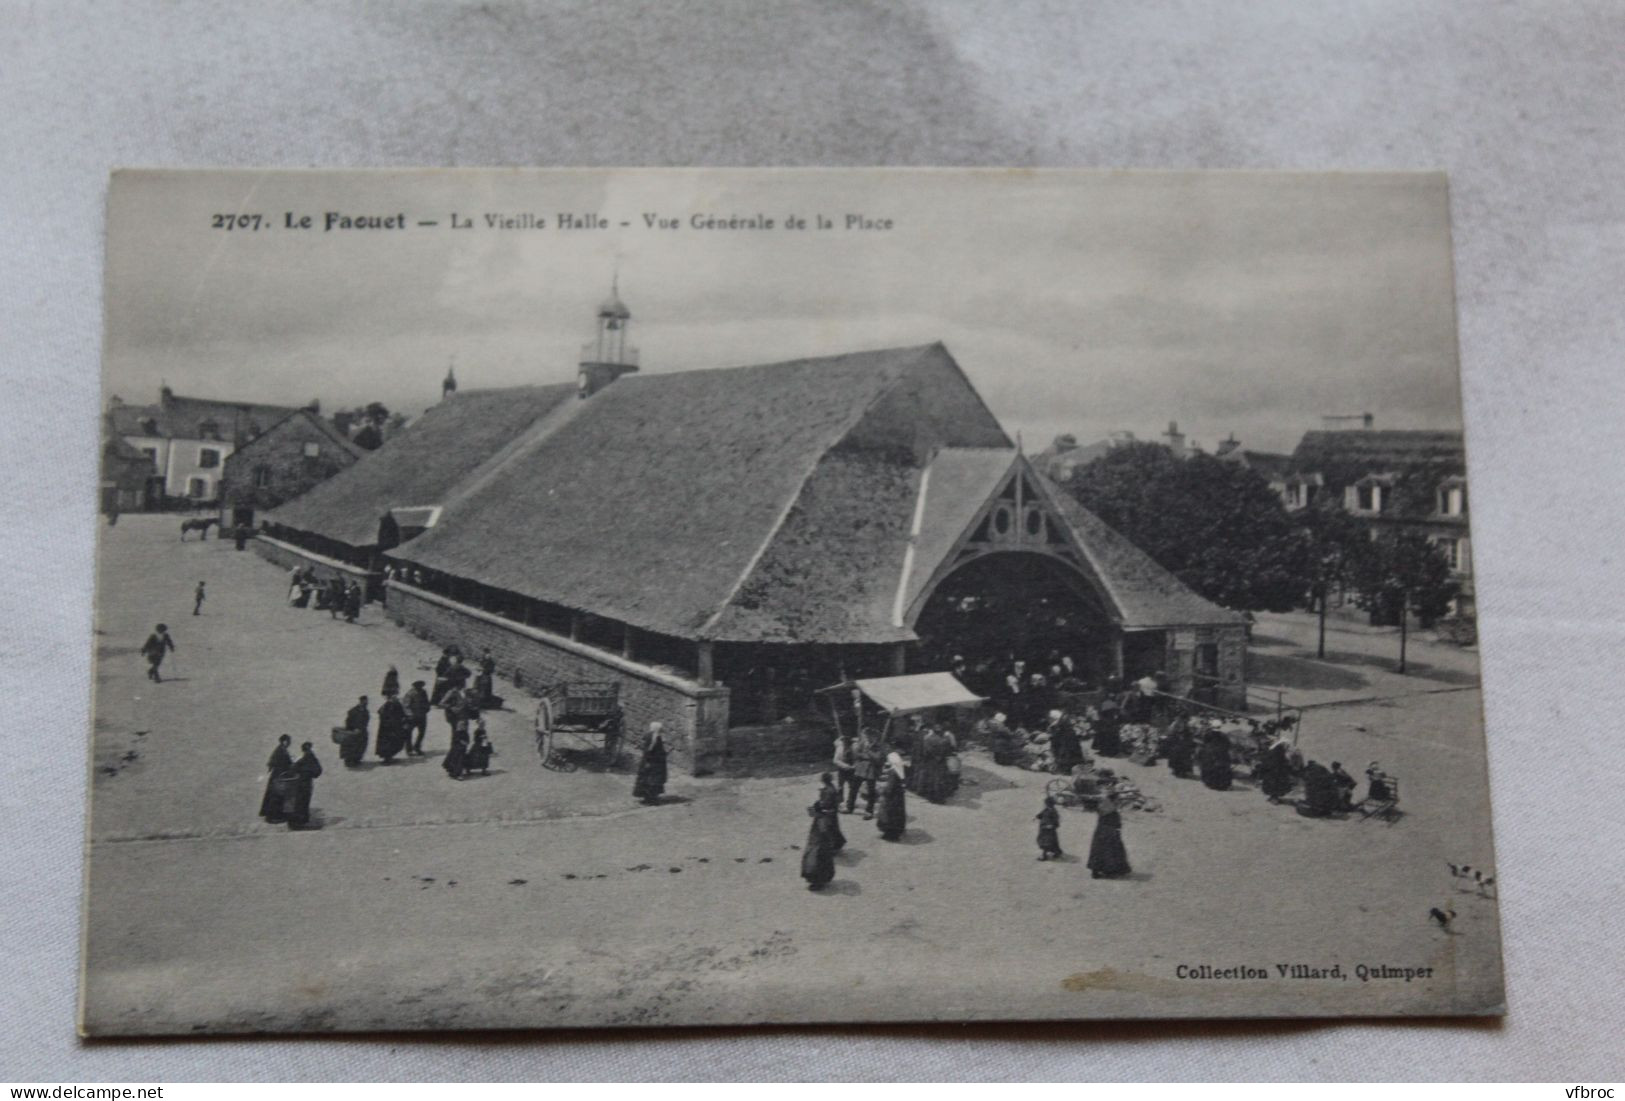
(197, 599)
(871, 758)
(157, 645)
(417, 718)
(846, 770)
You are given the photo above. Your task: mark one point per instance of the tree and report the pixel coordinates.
(1215, 525)
(1333, 542)
(1403, 571)
(365, 425)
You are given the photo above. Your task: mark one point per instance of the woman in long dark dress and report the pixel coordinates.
(392, 683)
(1274, 771)
(273, 804)
(1180, 748)
(455, 761)
(480, 753)
(392, 728)
(651, 781)
(1213, 761)
(1108, 859)
(1108, 729)
(1065, 747)
(352, 736)
(829, 797)
(1049, 831)
(1320, 794)
(305, 770)
(931, 779)
(441, 684)
(818, 855)
(893, 816)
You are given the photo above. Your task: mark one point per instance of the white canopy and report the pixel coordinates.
(917, 692)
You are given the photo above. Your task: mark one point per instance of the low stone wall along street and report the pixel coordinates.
(695, 716)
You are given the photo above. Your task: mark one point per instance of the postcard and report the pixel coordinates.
(601, 597)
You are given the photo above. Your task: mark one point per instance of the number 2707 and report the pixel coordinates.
(237, 221)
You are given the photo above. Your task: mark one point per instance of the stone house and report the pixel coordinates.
(297, 452)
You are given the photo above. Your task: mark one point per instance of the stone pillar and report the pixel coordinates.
(705, 666)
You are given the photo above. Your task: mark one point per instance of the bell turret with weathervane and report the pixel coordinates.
(608, 356)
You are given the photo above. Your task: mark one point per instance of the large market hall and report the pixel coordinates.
(725, 542)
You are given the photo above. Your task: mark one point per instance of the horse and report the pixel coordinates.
(200, 526)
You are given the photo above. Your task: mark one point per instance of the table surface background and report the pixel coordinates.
(1519, 103)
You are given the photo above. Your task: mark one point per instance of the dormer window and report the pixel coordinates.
(1300, 494)
(1453, 498)
(149, 426)
(1370, 495)
(208, 429)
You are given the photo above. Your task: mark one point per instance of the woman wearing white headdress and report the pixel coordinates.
(893, 816)
(651, 779)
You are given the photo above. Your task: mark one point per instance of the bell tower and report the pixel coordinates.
(608, 356)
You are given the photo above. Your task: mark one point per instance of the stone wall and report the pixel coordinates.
(1231, 690)
(695, 716)
(748, 748)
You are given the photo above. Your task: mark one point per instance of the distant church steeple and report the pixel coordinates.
(448, 385)
(608, 356)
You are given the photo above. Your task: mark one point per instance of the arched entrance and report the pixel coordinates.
(1022, 605)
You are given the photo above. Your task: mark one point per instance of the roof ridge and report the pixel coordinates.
(505, 456)
(641, 378)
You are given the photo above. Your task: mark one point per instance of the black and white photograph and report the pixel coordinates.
(566, 598)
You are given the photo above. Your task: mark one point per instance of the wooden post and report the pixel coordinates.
(1117, 654)
(899, 659)
(575, 626)
(626, 641)
(705, 668)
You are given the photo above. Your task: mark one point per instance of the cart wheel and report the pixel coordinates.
(1060, 789)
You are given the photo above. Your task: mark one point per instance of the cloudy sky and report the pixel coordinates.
(1080, 302)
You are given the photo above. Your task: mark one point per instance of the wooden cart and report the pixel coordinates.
(586, 715)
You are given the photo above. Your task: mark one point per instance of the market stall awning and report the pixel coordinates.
(917, 692)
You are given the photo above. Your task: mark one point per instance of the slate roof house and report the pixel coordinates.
(126, 476)
(1416, 479)
(724, 542)
(189, 439)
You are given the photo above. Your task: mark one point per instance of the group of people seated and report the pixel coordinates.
(1206, 748)
(335, 596)
(1056, 743)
